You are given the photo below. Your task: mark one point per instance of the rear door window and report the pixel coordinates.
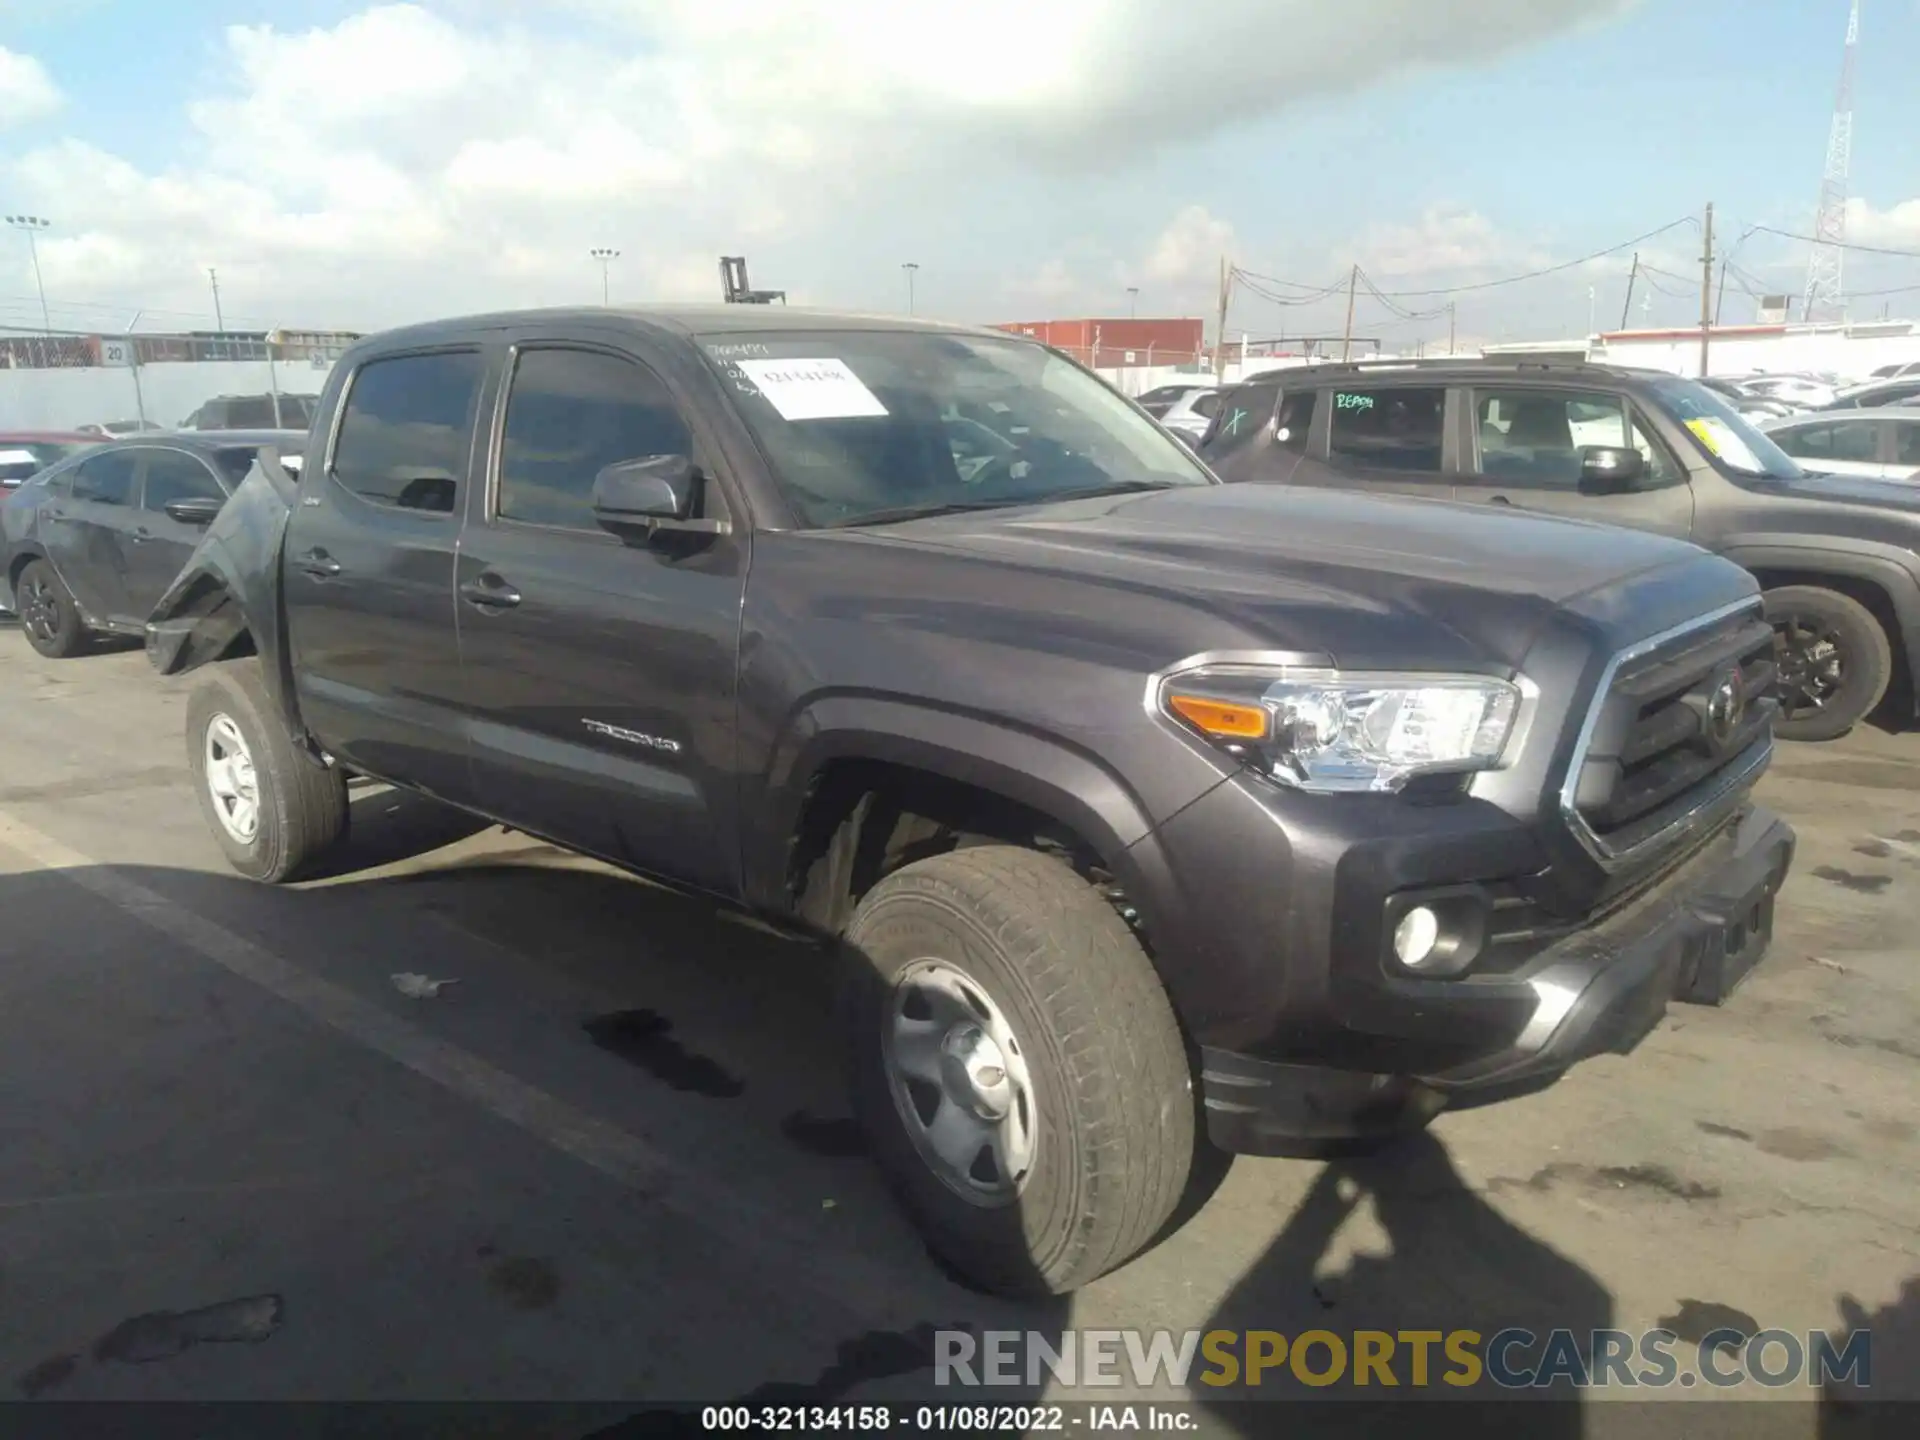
(1856, 441)
(107, 479)
(408, 430)
(1389, 427)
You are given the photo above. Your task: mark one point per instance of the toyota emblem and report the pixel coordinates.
(1726, 708)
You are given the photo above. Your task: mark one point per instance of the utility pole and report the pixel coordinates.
(1706, 293)
(1220, 334)
(1626, 310)
(219, 320)
(1133, 302)
(1720, 301)
(32, 224)
(1451, 327)
(1353, 284)
(910, 267)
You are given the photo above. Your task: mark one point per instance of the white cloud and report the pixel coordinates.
(1896, 228)
(414, 159)
(1446, 240)
(27, 91)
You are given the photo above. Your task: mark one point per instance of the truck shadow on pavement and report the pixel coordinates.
(1455, 1263)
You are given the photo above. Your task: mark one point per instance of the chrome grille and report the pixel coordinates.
(1663, 752)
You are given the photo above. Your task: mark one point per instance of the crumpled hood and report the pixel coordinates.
(1350, 575)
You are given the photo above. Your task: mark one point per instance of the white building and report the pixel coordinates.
(1852, 352)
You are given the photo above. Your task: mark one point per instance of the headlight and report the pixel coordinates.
(1323, 730)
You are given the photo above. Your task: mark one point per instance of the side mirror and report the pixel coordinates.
(1610, 469)
(655, 492)
(197, 510)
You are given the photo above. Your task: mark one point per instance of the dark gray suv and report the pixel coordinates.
(1838, 558)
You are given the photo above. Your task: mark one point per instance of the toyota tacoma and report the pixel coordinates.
(1143, 811)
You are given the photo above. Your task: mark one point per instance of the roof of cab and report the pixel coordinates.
(684, 321)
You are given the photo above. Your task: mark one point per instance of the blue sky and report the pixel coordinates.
(1427, 177)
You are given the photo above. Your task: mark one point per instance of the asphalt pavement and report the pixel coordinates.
(610, 1161)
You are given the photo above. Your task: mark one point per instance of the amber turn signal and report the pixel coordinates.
(1219, 718)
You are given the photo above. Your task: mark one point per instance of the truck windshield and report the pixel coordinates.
(1723, 434)
(866, 427)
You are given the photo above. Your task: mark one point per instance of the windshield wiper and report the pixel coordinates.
(920, 512)
(1115, 487)
(959, 507)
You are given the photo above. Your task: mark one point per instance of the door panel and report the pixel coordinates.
(600, 672)
(158, 546)
(369, 572)
(1524, 447)
(86, 540)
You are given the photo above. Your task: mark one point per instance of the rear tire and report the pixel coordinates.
(274, 809)
(1082, 1052)
(48, 617)
(1835, 661)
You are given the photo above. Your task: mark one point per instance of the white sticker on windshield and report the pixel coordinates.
(812, 389)
(1722, 440)
(17, 457)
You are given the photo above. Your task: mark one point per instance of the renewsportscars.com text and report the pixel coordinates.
(1415, 1359)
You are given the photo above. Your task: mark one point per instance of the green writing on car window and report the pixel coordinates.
(1353, 402)
(1232, 427)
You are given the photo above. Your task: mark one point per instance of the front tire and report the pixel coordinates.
(274, 810)
(48, 616)
(1017, 1067)
(1835, 661)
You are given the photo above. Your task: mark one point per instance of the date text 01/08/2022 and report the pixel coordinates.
(947, 1419)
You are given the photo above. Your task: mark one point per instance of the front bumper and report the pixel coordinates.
(1693, 937)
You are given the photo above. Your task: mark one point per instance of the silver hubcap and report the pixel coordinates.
(231, 781)
(959, 1080)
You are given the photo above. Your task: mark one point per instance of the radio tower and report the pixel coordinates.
(1826, 299)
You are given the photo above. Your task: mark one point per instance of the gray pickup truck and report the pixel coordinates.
(1142, 811)
(1838, 557)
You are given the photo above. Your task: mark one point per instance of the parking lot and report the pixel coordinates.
(609, 1161)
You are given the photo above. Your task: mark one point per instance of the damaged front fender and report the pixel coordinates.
(227, 601)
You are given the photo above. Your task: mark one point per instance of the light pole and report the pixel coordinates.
(1593, 301)
(606, 258)
(910, 267)
(219, 317)
(33, 224)
(1133, 302)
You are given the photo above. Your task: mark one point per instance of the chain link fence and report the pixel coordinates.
(120, 384)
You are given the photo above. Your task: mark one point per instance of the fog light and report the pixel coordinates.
(1416, 936)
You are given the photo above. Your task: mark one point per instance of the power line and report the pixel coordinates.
(1551, 269)
(1842, 244)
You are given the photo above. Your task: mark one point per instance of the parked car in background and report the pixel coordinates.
(1839, 559)
(1893, 372)
(1881, 444)
(110, 429)
(1903, 391)
(1132, 801)
(93, 542)
(25, 453)
(253, 412)
(1185, 409)
(1802, 392)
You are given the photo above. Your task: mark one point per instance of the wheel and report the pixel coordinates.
(1834, 658)
(47, 613)
(1018, 1068)
(274, 809)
